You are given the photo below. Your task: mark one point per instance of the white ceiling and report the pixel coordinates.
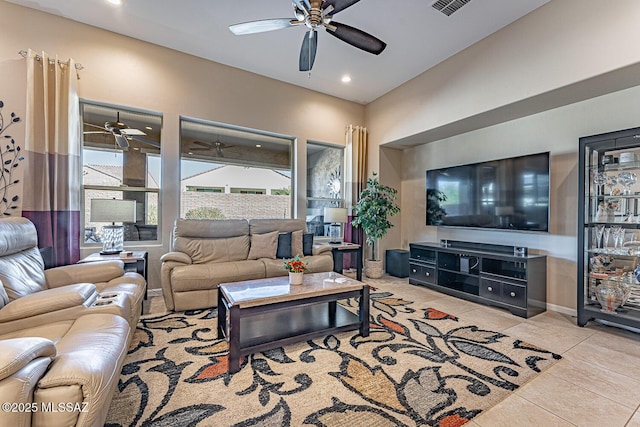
(417, 36)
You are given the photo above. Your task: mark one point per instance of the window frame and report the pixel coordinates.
(159, 119)
(254, 135)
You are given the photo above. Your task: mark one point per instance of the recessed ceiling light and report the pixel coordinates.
(258, 145)
(346, 78)
(136, 148)
(148, 128)
(190, 153)
(115, 2)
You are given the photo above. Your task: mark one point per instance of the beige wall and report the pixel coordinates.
(534, 86)
(124, 71)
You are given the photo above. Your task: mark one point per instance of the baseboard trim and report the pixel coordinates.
(154, 292)
(562, 309)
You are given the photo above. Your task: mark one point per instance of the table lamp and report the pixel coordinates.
(112, 210)
(335, 216)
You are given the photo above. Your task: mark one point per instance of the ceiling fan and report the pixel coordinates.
(122, 133)
(211, 146)
(315, 14)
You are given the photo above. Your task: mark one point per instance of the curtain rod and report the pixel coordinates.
(23, 53)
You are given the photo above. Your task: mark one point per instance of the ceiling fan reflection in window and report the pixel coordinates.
(122, 133)
(216, 147)
(315, 14)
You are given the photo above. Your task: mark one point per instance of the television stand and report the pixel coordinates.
(498, 275)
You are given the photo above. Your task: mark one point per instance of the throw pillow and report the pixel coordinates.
(307, 244)
(296, 243)
(263, 245)
(284, 246)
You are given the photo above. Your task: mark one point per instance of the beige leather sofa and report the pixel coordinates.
(206, 253)
(64, 333)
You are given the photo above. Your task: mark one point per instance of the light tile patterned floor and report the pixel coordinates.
(597, 383)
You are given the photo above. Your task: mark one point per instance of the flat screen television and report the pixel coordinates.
(507, 194)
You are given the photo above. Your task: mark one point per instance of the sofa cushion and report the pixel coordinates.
(22, 273)
(317, 264)
(18, 235)
(209, 240)
(284, 246)
(296, 243)
(216, 250)
(273, 268)
(208, 276)
(307, 244)
(261, 226)
(263, 245)
(4, 298)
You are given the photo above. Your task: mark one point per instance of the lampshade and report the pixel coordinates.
(335, 215)
(113, 210)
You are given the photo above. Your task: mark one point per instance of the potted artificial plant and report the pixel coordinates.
(376, 205)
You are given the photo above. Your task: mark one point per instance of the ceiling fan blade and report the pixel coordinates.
(129, 132)
(308, 50)
(147, 141)
(121, 140)
(261, 26)
(207, 145)
(95, 132)
(356, 37)
(94, 126)
(338, 5)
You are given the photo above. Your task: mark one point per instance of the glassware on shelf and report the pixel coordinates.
(627, 179)
(599, 231)
(612, 181)
(617, 231)
(605, 237)
(599, 179)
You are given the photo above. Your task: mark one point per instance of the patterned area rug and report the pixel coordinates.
(419, 366)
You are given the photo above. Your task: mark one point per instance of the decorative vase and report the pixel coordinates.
(295, 278)
(373, 268)
(610, 296)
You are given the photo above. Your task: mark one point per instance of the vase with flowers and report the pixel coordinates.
(296, 268)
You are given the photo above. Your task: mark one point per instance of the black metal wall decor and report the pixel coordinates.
(10, 158)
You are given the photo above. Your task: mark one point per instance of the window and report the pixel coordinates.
(229, 172)
(325, 185)
(121, 160)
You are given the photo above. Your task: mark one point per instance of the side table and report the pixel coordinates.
(137, 262)
(339, 249)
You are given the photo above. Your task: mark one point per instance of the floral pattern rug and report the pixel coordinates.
(418, 366)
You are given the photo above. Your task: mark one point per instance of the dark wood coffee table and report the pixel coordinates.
(258, 315)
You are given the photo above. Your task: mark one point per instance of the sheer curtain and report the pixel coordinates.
(355, 179)
(52, 156)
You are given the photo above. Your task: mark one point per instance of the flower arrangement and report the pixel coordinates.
(295, 265)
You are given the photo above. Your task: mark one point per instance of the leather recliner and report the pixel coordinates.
(64, 333)
(62, 293)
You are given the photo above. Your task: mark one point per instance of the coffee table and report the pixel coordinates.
(258, 315)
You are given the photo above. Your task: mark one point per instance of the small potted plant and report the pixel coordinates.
(376, 204)
(296, 268)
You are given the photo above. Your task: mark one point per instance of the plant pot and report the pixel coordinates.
(373, 268)
(296, 278)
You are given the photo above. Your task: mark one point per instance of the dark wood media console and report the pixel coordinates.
(503, 276)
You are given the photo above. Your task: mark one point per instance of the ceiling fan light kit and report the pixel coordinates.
(315, 14)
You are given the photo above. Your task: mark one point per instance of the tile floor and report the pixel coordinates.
(597, 383)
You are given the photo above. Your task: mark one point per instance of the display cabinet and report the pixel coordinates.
(609, 228)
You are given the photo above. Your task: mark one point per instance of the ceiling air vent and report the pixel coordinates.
(449, 6)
